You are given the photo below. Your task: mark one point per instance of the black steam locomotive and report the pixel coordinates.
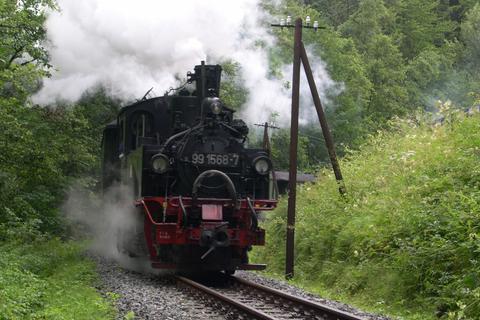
(198, 189)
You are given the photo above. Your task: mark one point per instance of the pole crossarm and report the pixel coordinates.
(293, 26)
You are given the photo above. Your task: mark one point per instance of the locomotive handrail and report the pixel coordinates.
(229, 183)
(149, 215)
(184, 211)
(182, 133)
(231, 128)
(258, 204)
(254, 214)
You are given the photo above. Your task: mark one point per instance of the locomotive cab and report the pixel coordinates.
(197, 186)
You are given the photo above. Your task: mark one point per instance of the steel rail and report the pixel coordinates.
(232, 302)
(329, 312)
(314, 310)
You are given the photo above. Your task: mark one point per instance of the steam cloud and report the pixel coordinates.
(108, 222)
(130, 46)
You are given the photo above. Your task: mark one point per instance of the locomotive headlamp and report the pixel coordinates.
(262, 165)
(214, 104)
(160, 163)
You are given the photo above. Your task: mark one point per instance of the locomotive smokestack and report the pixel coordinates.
(207, 79)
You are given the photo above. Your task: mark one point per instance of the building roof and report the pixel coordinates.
(301, 177)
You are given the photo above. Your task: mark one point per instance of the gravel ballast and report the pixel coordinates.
(295, 291)
(151, 294)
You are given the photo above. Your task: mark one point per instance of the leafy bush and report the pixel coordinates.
(407, 236)
(48, 280)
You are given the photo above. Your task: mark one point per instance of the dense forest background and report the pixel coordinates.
(394, 59)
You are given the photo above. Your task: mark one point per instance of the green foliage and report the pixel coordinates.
(337, 12)
(420, 26)
(130, 315)
(48, 280)
(387, 73)
(345, 108)
(407, 236)
(37, 162)
(23, 58)
(371, 19)
(42, 150)
(22, 32)
(471, 36)
(233, 92)
(391, 57)
(280, 144)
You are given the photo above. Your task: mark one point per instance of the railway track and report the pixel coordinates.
(242, 299)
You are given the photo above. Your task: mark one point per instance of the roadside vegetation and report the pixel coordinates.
(49, 279)
(43, 275)
(405, 240)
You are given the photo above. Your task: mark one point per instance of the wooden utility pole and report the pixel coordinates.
(299, 56)
(292, 176)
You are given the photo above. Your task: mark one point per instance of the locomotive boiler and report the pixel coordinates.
(197, 186)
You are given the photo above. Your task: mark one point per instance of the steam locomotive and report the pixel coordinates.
(196, 186)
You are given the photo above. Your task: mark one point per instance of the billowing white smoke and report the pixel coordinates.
(326, 88)
(109, 221)
(130, 46)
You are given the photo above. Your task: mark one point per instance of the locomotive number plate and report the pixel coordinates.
(216, 159)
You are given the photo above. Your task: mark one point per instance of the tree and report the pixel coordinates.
(372, 29)
(280, 144)
(372, 18)
(336, 12)
(471, 36)
(23, 32)
(386, 70)
(23, 57)
(419, 26)
(233, 91)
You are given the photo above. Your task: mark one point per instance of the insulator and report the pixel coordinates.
(307, 20)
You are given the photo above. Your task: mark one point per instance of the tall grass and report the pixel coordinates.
(406, 239)
(49, 279)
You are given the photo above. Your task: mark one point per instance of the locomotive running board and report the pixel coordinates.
(252, 267)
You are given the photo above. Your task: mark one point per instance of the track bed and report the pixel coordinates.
(249, 300)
